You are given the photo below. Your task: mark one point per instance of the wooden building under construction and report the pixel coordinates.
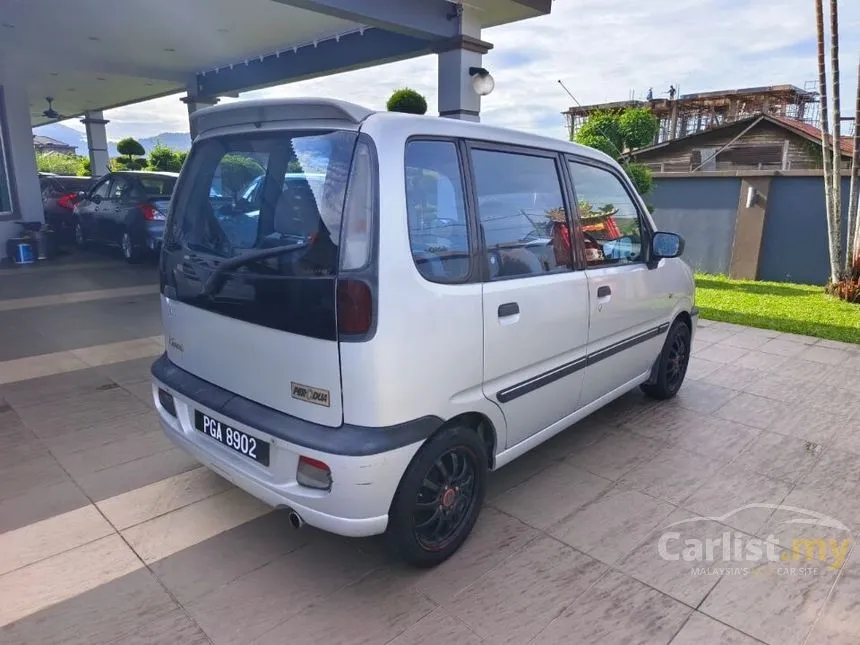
(687, 114)
(758, 128)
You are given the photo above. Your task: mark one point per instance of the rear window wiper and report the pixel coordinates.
(213, 283)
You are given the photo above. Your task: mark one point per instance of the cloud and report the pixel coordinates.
(602, 49)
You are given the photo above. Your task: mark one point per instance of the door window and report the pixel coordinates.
(522, 214)
(436, 211)
(611, 227)
(101, 189)
(120, 189)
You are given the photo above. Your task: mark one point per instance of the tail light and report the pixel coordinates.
(151, 213)
(68, 201)
(313, 473)
(354, 306)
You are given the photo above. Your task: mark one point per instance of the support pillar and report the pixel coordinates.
(457, 98)
(22, 198)
(95, 123)
(194, 103)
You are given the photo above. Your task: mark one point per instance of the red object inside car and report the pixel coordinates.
(67, 201)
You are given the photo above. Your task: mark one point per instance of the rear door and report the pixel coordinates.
(88, 209)
(268, 331)
(629, 307)
(111, 214)
(535, 302)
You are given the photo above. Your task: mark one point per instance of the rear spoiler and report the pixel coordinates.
(260, 111)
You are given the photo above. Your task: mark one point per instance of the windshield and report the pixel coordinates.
(259, 191)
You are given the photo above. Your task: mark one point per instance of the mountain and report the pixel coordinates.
(64, 133)
(176, 140)
(70, 136)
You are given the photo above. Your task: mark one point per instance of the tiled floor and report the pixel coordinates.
(110, 535)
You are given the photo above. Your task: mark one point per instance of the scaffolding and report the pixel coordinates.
(681, 116)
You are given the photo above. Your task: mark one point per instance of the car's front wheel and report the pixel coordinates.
(439, 497)
(671, 367)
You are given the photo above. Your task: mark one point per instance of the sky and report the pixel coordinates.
(603, 50)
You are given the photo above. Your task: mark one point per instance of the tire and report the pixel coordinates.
(132, 254)
(80, 236)
(671, 364)
(454, 462)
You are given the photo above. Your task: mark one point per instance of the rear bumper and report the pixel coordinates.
(364, 476)
(153, 232)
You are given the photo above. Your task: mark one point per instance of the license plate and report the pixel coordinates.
(237, 440)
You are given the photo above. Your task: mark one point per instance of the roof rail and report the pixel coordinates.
(268, 110)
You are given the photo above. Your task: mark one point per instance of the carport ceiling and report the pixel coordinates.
(97, 54)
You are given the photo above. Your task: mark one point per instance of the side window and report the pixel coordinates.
(120, 189)
(101, 189)
(436, 211)
(611, 227)
(49, 189)
(522, 214)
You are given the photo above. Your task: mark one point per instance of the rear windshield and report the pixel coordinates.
(262, 214)
(158, 187)
(247, 192)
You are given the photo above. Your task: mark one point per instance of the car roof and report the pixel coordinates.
(336, 113)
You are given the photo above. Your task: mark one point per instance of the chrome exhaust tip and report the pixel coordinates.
(296, 520)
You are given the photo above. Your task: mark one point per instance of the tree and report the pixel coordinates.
(638, 127)
(602, 130)
(130, 147)
(407, 100)
(128, 163)
(852, 246)
(164, 159)
(615, 133)
(237, 171)
(60, 164)
(641, 177)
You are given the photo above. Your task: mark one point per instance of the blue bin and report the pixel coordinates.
(24, 253)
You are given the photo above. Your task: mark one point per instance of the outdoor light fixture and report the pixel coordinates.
(482, 81)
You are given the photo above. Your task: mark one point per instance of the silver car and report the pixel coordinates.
(422, 301)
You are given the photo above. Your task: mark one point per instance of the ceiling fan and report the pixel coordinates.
(51, 113)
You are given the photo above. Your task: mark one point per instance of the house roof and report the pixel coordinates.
(846, 144)
(40, 140)
(805, 130)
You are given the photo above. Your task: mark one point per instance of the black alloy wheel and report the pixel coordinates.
(445, 498)
(439, 497)
(671, 367)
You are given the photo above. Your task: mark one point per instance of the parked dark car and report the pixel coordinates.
(59, 196)
(125, 209)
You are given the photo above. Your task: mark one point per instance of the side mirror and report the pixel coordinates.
(666, 245)
(96, 199)
(81, 195)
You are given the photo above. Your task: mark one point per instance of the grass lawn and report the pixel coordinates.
(796, 308)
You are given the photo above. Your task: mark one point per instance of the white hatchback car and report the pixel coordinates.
(438, 298)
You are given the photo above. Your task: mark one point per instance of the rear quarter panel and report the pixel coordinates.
(426, 356)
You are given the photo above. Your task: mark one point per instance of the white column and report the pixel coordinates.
(19, 158)
(457, 98)
(97, 142)
(194, 103)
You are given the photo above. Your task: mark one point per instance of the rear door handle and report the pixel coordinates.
(508, 309)
(604, 291)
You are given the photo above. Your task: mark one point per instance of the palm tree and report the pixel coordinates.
(825, 127)
(836, 185)
(852, 244)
